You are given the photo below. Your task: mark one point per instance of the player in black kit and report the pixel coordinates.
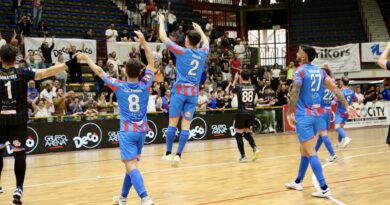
(13, 109)
(246, 95)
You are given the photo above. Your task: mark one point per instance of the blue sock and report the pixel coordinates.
(319, 143)
(328, 145)
(138, 183)
(341, 133)
(302, 169)
(126, 186)
(184, 134)
(317, 169)
(170, 133)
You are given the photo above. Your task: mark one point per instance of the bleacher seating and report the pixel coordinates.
(326, 22)
(384, 5)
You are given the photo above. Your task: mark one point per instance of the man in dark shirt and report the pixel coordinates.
(46, 52)
(25, 25)
(88, 34)
(124, 36)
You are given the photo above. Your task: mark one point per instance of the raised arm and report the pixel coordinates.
(54, 70)
(204, 39)
(163, 34)
(95, 68)
(148, 52)
(337, 92)
(384, 59)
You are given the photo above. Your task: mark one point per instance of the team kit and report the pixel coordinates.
(314, 93)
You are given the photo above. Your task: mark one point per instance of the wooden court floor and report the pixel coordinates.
(210, 174)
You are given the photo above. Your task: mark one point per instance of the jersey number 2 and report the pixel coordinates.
(9, 89)
(195, 64)
(134, 103)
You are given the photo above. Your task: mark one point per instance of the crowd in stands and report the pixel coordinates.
(226, 59)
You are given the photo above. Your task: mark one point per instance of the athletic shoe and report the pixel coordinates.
(119, 200)
(322, 193)
(243, 160)
(168, 157)
(293, 185)
(256, 155)
(1, 190)
(347, 140)
(175, 161)
(331, 158)
(18, 196)
(146, 201)
(271, 129)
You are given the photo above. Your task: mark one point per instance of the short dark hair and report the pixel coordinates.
(194, 37)
(133, 68)
(345, 80)
(8, 54)
(245, 75)
(310, 51)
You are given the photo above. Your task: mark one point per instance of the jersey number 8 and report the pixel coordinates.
(247, 96)
(134, 103)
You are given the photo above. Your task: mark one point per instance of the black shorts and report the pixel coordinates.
(11, 133)
(244, 121)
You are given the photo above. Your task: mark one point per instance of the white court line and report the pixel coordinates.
(315, 181)
(170, 169)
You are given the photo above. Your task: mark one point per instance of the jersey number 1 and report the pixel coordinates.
(9, 89)
(195, 64)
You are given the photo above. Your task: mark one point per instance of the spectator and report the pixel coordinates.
(32, 63)
(180, 36)
(370, 95)
(150, 8)
(224, 41)
(46, 52)
(86, 98)
(137, 19)
(172, 36)
(125, 36)
(213, 101)
(275, 77)
(235, 65)
(32, 92)
(48, 93)
(74, 107)
(134, 54)
(102, 105)
(268, 98)
(25, 25)
(183, 25)
(17, 8)
(359, 95)
(379, 93)
(165, 56)
(152, 101)
(159, 76)
(2, 41)
(157, 54)
(42, 30)
(254, 75)
(22, 64)
(164, 102)
(209, 26)
(267, 74)
(203, 100)
(142, 9)
(171, 21)
(60, 103)
(290, 72)
(239, 50)
(220, 101)
(37, 11)
(41, 108)
(228, 101)
(154, 19)
(282, 95)
(224, 64)
(111, 33)
(76, 68)
(88, 34)
(114, 61)
(63, 76)
(131, 7)
(99, 83)
(169, 69)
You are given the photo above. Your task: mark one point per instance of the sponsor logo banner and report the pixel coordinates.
(372, 51)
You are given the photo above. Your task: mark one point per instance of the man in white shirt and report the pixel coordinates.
(209, 26)
(239, 49)
(168, 69)
(157, 54)
(114, 61)
(48, 94)
(203, 100)
(2, 41)
(152, 102)
(111, 33)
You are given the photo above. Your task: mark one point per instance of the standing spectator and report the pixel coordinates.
(180, 36)
(2, 41)
(220, 101)
(75, 69)
(131, 7)
(359, 95)
(203, 100)
(42, 30)
(209, 26)
(46, 52)
(224, 64)
(239, 50)
(150, 7)
(159, 76)
(235, 64)
(102, 105)
(134, 54)
(37, 11)
(17, 8)
(88, 34)
(275, 77)
(290, 72)
(41, 108)
(111, 33)
(56, 85)
(157, 54)
(99, 83)
(154, 19)
(212, 101)
(165, 56)
(152, 102)
(60, 103)
(125, 36)
(86, 98)
(25, 25)
(142, 9)
(74, 106)
(282, 95)
(114, 61)
(164, 102)
(34, 64)
(267, 74)
(32, 92)
(137, 19)
(48, 93)
(224, 41)
(63, 76)
(171, 21)
(167, 71)
(370, 95)
(18, 46)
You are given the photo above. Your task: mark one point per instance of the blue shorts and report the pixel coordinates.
(130, 145)
(339, 119)
(184, 106)
(323, 123)
(306, 127)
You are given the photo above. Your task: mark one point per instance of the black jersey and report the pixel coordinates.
(13, 95)
(246, 96)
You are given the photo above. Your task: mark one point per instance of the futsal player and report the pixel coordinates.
(308, 90)
(341, 116)
(324, 122)
(185, 91)
(133, 97)
(13, 109)
(384, 62)
(246, 95)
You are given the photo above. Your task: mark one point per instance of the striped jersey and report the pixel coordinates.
(350, 97)
(13, 95)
